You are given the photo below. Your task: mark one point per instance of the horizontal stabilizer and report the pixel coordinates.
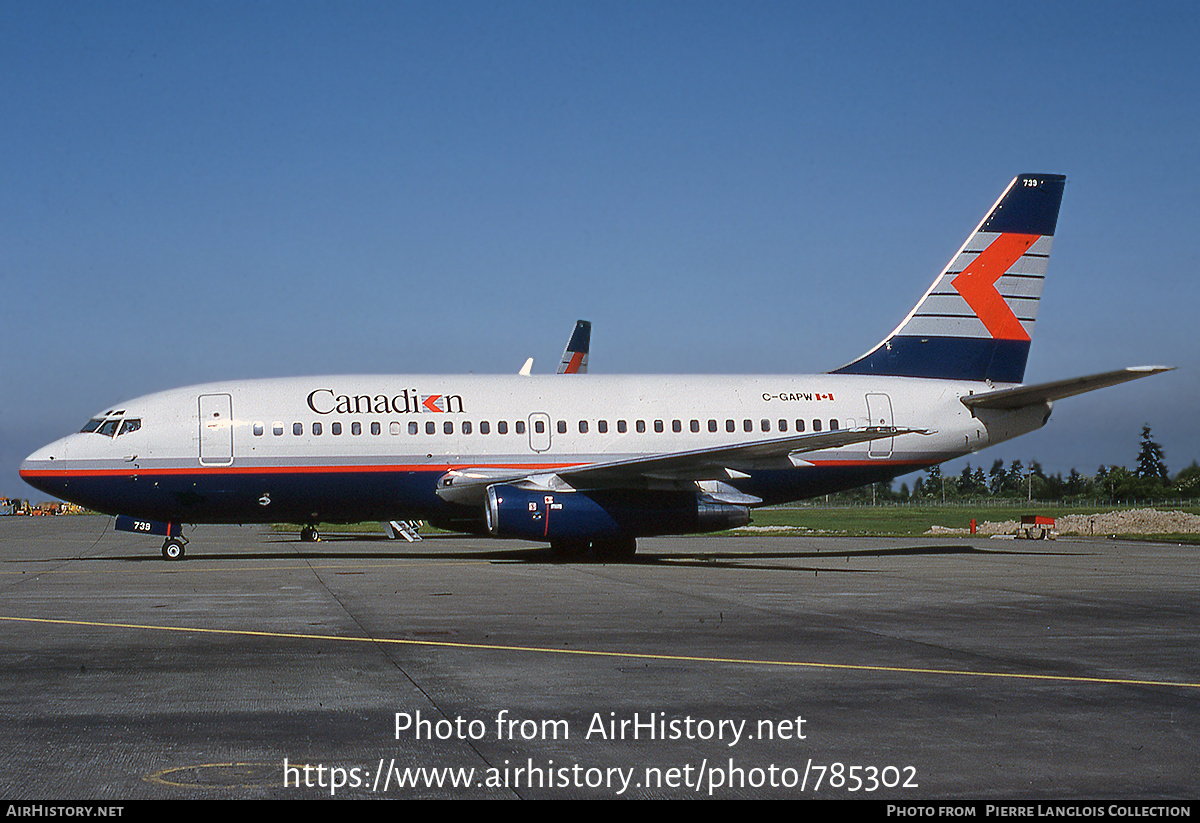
(1022, 396)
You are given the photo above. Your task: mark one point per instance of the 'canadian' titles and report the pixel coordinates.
(409, 401)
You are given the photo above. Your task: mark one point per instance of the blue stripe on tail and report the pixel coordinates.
(948, 358)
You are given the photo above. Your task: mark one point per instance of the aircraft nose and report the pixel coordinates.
(47, 454)
(44, 459)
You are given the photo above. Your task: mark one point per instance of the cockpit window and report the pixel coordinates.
(113, 427)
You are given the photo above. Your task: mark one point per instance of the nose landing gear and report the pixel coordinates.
(172, 548)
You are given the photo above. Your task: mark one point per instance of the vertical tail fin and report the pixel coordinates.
(574, 359)
(976, 320)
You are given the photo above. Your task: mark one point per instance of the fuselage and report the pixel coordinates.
(348, 448)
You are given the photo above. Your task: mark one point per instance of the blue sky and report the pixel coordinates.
(199, 191)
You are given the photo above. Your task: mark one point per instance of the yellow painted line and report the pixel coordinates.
(677, 658)
(161, 776)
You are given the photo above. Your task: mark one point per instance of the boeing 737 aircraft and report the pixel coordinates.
(599, 460)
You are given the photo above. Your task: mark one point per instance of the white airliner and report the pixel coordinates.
(599, 460)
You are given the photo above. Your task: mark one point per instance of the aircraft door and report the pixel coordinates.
(539, 431)
(879, 413)
(216, 429)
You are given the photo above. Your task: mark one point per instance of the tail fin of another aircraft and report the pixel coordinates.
(574, 359)
(976, 320)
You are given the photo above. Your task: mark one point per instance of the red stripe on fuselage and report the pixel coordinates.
(216, 470)
(287, 469)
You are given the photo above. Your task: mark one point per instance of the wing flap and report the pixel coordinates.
(646, 471)
(712, 463)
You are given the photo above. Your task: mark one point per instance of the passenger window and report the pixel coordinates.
(783, 425)
(502, 427)
(485, 427)
(316, 428)
(297, 429)
(466, 427)
(658, 426)
(712, 425)
(799, 425)
(258, 429)
(833, 426)
(277, 428)
(375, 428)
(335, 428)
(602, 426)
(413, 427)
(583, 427)
(695, 426)
(816, 425)
(519, 427)
(448, 427)
(394, 427)
(562, 426)
(748, 425)
(430, 427)
(765, 425)
(729, 426)
(356, 428)
(641, 426)
(621, 427)
(676, 426)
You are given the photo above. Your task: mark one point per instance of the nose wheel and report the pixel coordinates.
(309, 534)
(172, 548)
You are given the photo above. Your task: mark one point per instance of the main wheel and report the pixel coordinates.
(564, 549)
(309, 534)
(172, 549)
(618, 549)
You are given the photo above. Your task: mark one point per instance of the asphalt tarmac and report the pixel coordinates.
(356, 667)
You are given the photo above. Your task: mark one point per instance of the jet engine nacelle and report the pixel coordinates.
(533, 514)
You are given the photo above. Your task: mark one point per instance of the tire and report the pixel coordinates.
(617, 550)
(172, 549)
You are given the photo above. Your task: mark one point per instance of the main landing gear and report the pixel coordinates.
(309, 534)
(173, 547)
(615, 550)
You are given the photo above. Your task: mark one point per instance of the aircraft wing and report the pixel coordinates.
(1022, 396)
(717, 463)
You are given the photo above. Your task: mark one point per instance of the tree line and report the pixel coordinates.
(1147, 480)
